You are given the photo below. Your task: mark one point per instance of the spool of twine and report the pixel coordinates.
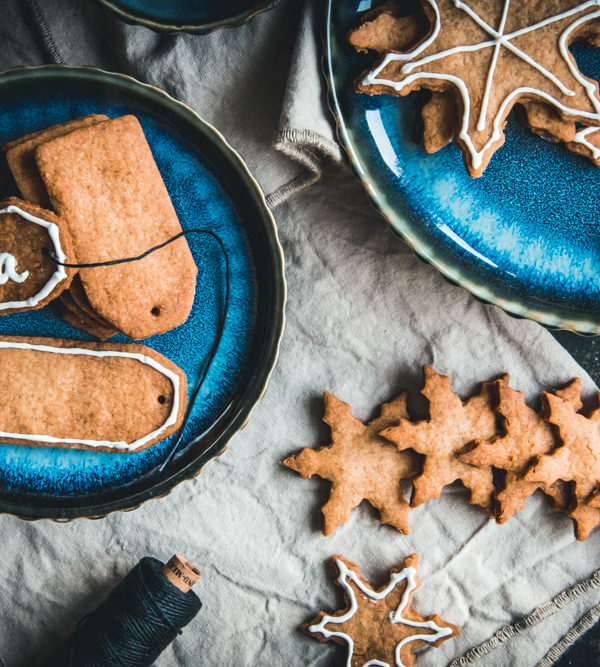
(139, 619)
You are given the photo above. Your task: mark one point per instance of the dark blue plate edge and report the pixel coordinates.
(530, 308)
(135, 18)
(276, 296)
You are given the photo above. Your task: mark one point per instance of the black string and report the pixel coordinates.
(220, 326)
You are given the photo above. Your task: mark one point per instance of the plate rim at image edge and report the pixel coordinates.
(269, 351)
(138, 18)
(403, 227)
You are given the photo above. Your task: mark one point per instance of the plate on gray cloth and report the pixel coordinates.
(210, 187)
(198, 16)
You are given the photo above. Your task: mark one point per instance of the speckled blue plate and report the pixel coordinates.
(210, 187)
(198, 16)
(525, 236)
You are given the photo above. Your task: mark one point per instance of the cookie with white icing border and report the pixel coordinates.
(490, 58)
(98, 396)
(29, 279)
(379, 626)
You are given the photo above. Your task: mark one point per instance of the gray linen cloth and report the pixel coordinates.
(363, 315)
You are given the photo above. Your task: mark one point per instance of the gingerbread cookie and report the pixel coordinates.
(115, 207)
(577, 460)
(360, 465)
(29, 279)
(380, 627)
(490, 58)
(114, 398)
(20, 157)
(74, 316)
(525, 435)
(451, 426)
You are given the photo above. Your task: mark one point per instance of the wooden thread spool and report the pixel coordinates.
(181, 573)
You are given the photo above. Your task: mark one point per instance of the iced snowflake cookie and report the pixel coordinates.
(488, 58)
(379, 627)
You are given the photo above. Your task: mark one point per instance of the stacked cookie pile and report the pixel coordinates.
(479, 62)
(495, 444)
(100, 179)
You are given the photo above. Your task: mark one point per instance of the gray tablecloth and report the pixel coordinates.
(363, 315)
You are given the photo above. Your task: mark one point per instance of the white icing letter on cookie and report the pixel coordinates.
(8, 269)
(60, 273)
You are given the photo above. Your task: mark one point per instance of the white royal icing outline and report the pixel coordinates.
(500, 39)
(8, 269)
(58, 276)
(581, 138)
(148, 361)
(409, 575)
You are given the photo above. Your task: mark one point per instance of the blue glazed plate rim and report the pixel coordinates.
(528, 307)
(234, 417)
(135, 18)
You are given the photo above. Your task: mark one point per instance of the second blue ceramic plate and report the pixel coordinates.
(210, 187)
(524, 236)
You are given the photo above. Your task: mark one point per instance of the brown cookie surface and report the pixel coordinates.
(99, 396)
(73, 315)
(525, 435)
(20, 157)
(28, 278)
(451, 426)
(577, 460)
(116, 207)
(380, 626)
(360, 464)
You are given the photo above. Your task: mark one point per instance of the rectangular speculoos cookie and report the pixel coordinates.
(20, 156)
(98, 396)
(104, 182)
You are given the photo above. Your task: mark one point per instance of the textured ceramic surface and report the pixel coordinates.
(525, 236)
(188, 15)
(210, 187)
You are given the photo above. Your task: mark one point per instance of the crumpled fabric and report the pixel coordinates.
(363, 315)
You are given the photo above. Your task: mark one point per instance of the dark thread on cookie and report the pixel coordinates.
(220, 326)
(113, 262)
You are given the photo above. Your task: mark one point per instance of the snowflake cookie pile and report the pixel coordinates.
(480, 59)
(379, 627)
(501, 449)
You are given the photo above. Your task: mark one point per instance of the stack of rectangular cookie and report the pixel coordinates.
(99, 177)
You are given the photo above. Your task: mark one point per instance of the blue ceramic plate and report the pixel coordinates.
(210, 187)
(199, 16)
(525, 236)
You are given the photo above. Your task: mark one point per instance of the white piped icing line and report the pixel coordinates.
(8, 269)
(581, 137)
(408, 574)
(142, 358)
(59, 275)
(498, 39)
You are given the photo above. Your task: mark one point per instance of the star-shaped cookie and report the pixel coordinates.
(526, 434)
(451, 426)
(577, 460)
(360, 464)
(379, 627)
(490, 56)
